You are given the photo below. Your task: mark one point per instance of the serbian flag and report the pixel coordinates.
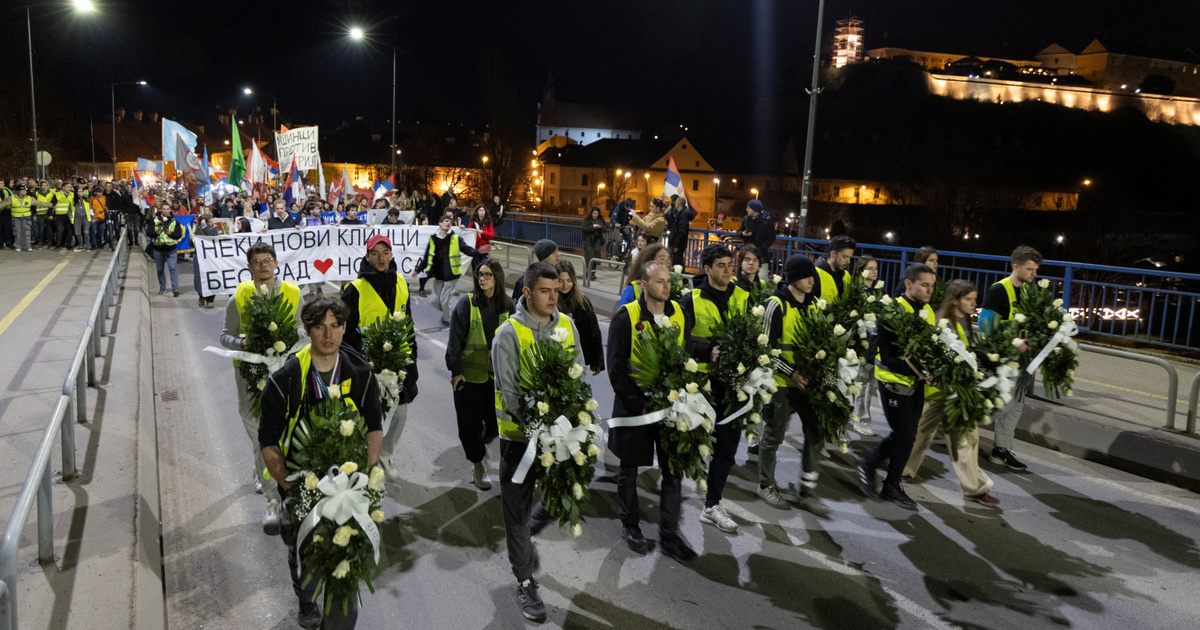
(294, 190)
(384, 188)
(672, 183)
(138, 197)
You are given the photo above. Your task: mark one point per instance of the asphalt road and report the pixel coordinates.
(1074, 544)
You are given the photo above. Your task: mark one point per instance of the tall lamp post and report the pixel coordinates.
(113, 91)
(812, 123)
(357, 33)
(716, 194)
(81, 6)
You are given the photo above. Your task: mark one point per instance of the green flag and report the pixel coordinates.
(237, 167)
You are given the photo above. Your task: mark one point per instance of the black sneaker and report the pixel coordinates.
(538, 520)
(866, 479)
(1005, 457)
(530, 602)
(752, 449)
(674, 546)
(175, 293)
(896, 495)
(309, 617)
(634, 538)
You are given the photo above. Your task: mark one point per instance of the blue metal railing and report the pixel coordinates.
(1161, 308)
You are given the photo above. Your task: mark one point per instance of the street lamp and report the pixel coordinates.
(81, 6)
(599, 187)
(113, 91)
(357, 34)
(806, 183)
(274, 112)
(754, 191)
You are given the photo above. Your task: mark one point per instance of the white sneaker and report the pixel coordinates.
(862, 427)
(481, 478)
(258, 483)
(809, 479)
(718, 517)
(270, 520)
(389, 469)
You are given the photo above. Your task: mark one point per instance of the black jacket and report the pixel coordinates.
(281, 397)
(634, 446)
(891, 357)
(679, 222)
(275, 223)
(384, 283)
(441, 269)
(154, 228)
(590, 338)
(823, 265)
(762, 231)
(460, 327)
(593, 232)
(701, 350)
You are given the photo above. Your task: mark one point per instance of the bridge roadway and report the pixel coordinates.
(1074, 543)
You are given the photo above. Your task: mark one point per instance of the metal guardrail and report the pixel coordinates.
(71, 404)
(617, 266)
(508, 251)
(1193, 402)
(1172, 375)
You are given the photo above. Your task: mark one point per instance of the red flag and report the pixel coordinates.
(335, 191)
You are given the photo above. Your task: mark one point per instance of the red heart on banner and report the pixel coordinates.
(323, 265)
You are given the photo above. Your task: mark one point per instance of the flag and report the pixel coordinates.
(205, 184)
(672, 183)
(341, 187)
(320, 177)
(384, 188)
(335, 192)
(150, 166)
(186, 161)
(138, 198)
(171, 129)
(294, 191)
(259, 169)
(237, 166)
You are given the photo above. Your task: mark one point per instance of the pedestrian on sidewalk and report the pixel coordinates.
(536, 319)
(903, 394)
(204, 227)
(637, 446)
(165, 233)
(545, 251)
(443, 262)
(1001, 302)
(654, 223)
(473, 327)
(573, 302)
(958, 306)
(482, 221)
(593, 239)
(679, 224)
(378, 292)
(263, 264)
(309, 376)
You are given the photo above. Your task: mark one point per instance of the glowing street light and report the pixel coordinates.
(1087, 182)
(754, 191)
(84, 6)
(356, 33)
(247, 91)
(1061, 239)
(485, 159)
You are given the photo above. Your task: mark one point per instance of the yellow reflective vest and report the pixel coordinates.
(886, 376)
(708, 316)
(525, 340)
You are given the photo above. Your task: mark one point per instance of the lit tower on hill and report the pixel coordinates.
(847, 42)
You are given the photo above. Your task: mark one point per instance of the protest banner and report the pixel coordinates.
(301, 143)
(311, 255)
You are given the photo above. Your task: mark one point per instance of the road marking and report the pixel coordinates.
(30, 297)
(1124, 389)
(433, 341)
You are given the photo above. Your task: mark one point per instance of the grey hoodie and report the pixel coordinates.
(506, 355)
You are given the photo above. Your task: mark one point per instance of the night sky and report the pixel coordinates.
(670, 59)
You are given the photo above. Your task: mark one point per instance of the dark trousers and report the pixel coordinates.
(62, 230)
(43, 229)
(728, 436)
(475, 407)
(903, 413)
(670, 499)
(517, 504)
(199, 285)
(334, 619)
(6, 229)
(133, 220)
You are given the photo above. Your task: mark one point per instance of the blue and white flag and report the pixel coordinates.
(149, 166)
(170, 129)
(672, 183)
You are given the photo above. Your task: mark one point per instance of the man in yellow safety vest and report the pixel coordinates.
(833, 270)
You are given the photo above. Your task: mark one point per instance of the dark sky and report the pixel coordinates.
(670, 56)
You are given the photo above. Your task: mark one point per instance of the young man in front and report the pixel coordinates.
(262, 263)
(902, 392)
(536, 318)
(637, 445)
(1000, 303)
(833, 269)
(305, 379)
(705, 308)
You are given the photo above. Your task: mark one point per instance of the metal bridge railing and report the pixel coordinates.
(72, 405)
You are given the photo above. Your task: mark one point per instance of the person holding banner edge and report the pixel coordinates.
(377, 293)
(263, 264)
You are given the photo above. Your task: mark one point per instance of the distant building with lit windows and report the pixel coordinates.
(582, 123)
(847, 42)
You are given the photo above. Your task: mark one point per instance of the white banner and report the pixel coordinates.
(311, 255)
(300, 142)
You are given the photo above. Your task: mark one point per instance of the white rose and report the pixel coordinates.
(702, 485)
(377, 516)
(866, 344)
(342, 569)
(763, 359)
(691, 365)
(1052, 325)
(580, 458)
(979, 376)
(831, 396)
(273, 327)
(692, 388)
(763, 339)
(560, 335)
(1020, 317)
(776, 352)
(821, 354)
(776, 278)
(765, 397)
(663, 321)
(591, 405)
(1067, 317)
(681, 426)
(1017, 342)
(851, 355)
(543, 408)
(547, 459)
(879, 285)
(279, 346)
(943, 323)
(346, 428)
(311, 481)
(887, 299)
(870, 300)
(673, 396)
(855, 389)
(708, 386)
(707, 425)
(870, 317)
(585, 419)
(402, 374)
(349, 468)
(577, 492)
(741, 396)
(1044, 283)
(958, 359)
(741, 369)
(335, 392)
(1013, 364)
(703, 450)
(341, 536)
(998, 403)
(935, 338)
(839, 330)
(853, 313)
(677, 269)
(387, 346)
(264, 289)
(593, 450)
(576, 530)
(375, 479)
(755, 418)
(1058, 302)
(262, 384)
(822, 304)
(987, 404)
(576, 371)
(758, 311)
(993, 357)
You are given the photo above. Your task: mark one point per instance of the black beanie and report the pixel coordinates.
(543, 248)
(798, 267)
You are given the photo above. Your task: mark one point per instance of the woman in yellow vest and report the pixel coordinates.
(378, 292)
(957, 308)
(468, 359)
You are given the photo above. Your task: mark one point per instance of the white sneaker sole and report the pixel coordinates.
(710, 521)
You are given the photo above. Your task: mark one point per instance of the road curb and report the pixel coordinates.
(149, 597)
